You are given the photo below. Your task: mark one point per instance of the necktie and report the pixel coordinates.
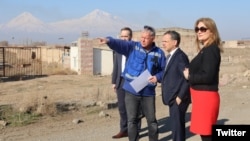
(167, 59)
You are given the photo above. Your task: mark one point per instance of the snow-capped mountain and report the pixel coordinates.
(97, 23)
(26, 22)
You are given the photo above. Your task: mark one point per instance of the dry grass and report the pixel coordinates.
(56, 69)
(56, 94)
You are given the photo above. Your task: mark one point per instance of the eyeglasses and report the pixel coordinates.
(202, 29)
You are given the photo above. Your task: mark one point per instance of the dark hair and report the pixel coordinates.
(150, 29)
(128, 29)
(174, 36)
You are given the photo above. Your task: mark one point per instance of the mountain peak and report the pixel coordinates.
(26, 22)
(25, 14)
(96, 23)
(99, 12)
(25, 18)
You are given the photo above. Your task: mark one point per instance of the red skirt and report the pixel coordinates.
(205, 111)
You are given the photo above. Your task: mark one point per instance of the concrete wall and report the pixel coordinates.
(74, 59)
(103, 61)
(236, 44)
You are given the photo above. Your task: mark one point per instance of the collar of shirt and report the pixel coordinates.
(171, 53)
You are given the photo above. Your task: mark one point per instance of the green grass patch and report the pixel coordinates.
(14, 118)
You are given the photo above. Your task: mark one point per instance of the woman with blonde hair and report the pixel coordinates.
(203, 77)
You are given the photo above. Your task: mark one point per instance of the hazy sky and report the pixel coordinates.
(231, 16)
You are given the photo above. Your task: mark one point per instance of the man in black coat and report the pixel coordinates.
(175, 88)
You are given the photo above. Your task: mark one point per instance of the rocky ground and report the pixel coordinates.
(76, 108)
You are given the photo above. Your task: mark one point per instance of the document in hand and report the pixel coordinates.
(141, 81)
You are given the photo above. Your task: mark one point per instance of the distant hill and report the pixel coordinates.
(27, 28)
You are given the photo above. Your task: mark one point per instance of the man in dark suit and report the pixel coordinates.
(117, 81)
(175, 88)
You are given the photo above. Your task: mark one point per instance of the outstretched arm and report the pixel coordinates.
(103, 40)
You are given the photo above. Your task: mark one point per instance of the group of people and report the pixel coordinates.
(182, 81)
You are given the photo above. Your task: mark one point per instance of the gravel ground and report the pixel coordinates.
(235, 103)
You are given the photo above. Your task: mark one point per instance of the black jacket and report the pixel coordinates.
(204, 69)
(174, 83)
(117, 68)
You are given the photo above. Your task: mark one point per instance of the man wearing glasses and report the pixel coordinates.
(143, 56)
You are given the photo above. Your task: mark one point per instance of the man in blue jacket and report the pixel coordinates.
(141, 56)
(117, 81)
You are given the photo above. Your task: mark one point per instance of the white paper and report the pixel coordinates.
(141, 81)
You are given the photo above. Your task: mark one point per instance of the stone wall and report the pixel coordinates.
(86, 56)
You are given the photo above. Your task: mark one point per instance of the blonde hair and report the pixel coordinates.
(214, 38)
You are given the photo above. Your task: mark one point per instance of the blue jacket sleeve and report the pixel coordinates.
(121, 46)
(159, 75)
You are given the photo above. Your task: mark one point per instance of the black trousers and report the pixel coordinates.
(177, 120)
(122, 108)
